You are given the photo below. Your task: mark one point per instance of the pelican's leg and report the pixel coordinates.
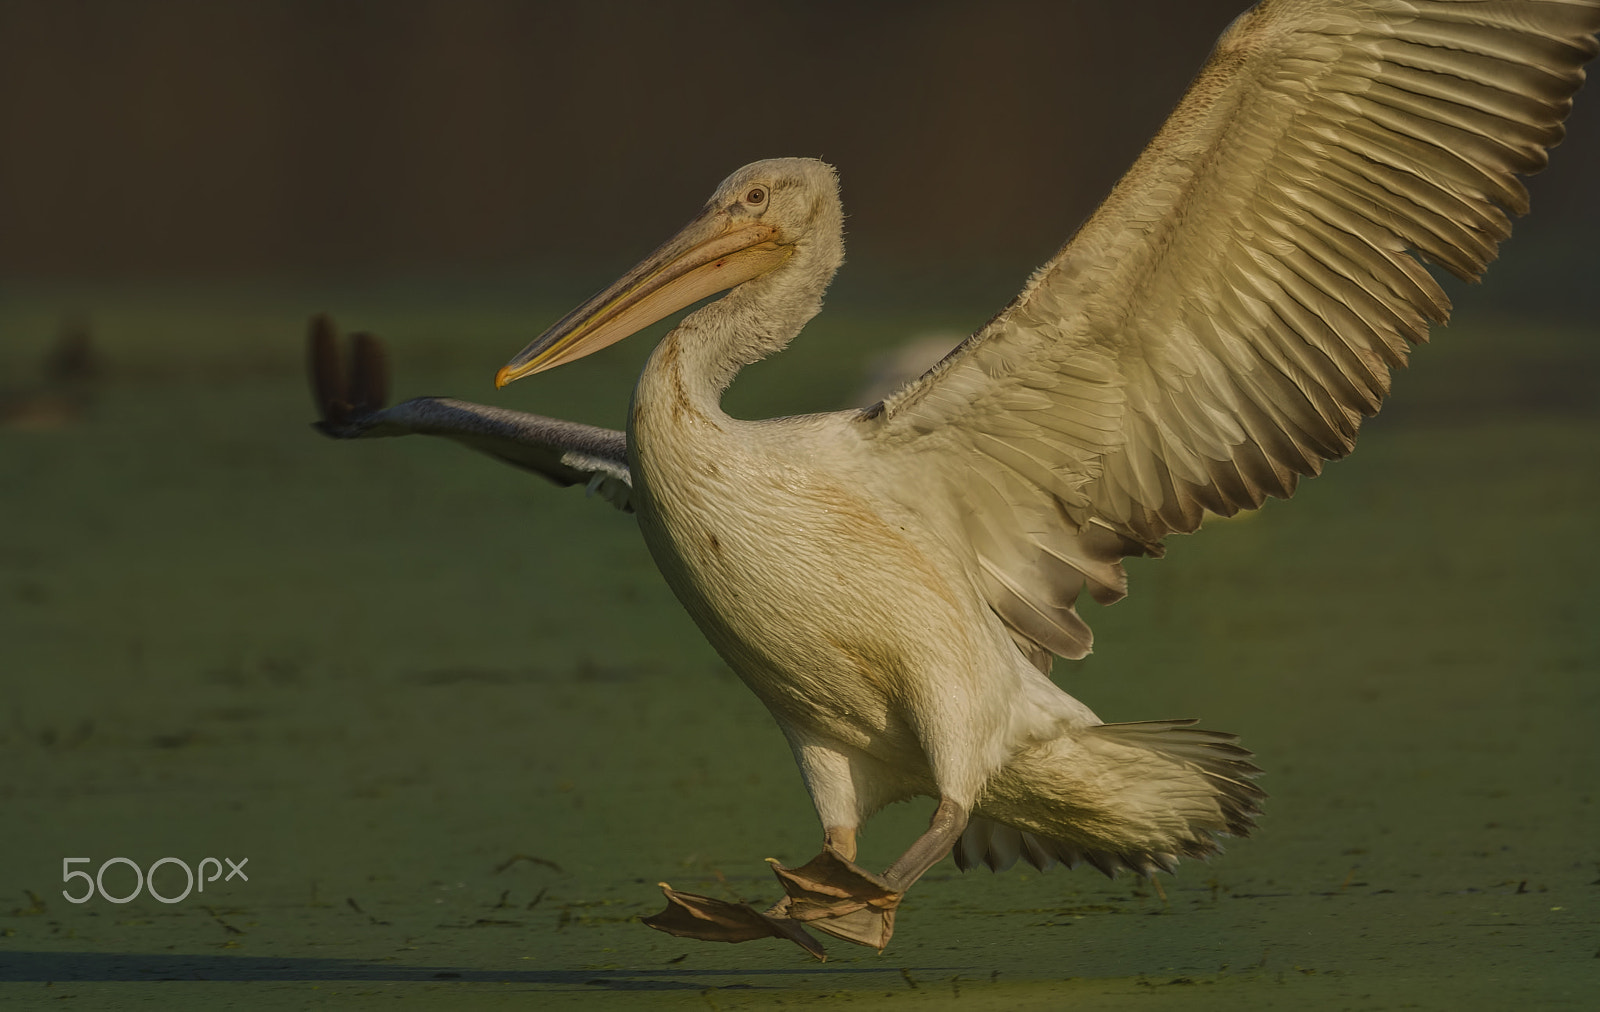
(835, 895)
(841, 840)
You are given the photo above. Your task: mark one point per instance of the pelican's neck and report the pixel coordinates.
(700, 358)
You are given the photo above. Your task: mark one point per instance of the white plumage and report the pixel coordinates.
(894, 582)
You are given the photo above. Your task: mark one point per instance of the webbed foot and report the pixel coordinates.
(713, 920)
(830, 893)
(839, 897)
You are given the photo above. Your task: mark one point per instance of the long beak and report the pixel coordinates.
(706, 257)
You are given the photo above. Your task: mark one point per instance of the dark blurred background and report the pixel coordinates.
(195, 139)
(408, 681)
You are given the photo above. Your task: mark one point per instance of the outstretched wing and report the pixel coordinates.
(352, 407)
(1221, 325)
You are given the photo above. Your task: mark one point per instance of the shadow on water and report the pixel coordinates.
(107, 967)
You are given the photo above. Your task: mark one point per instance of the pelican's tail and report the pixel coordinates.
(1135, 796)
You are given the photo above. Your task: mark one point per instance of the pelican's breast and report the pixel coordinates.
(813, 590)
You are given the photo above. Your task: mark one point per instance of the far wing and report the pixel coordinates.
(1221, 325)
(352, 407)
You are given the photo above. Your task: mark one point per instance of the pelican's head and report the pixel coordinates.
(757, 220)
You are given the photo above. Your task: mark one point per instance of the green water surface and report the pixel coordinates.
(460, 729)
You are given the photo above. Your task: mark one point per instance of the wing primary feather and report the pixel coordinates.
(1448, 243)
(1361, 242)
(1471, 217)
(1447, 29)
(1320, 350)
(1449, 169)
(1495, 96)
(1521, 142)
(1552, 83)
(1370, 295)
(1476, 148)
(1305, 406)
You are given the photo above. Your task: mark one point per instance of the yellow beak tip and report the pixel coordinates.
(503, 377)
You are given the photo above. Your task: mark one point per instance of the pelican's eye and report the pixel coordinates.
(757, 195)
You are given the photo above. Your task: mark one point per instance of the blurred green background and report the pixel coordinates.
(452, 716)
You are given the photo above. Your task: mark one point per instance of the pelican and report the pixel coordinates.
(894, 582)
